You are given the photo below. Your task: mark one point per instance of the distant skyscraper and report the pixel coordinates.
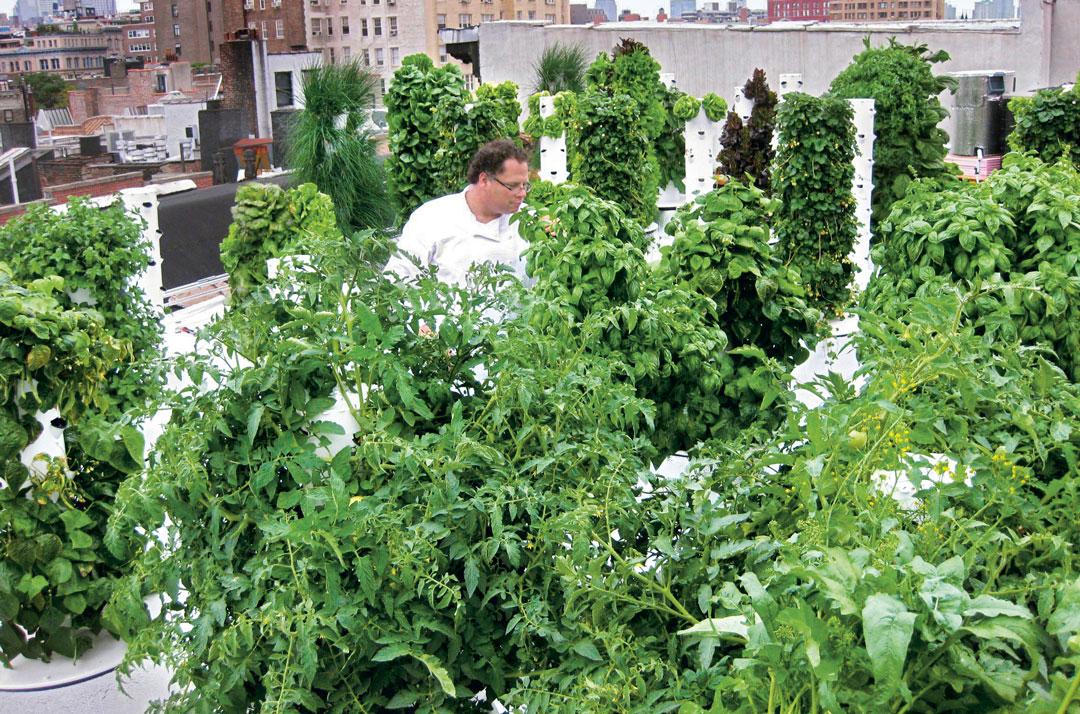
(101, 8)
(678, 7)
(608, 6)
(993, 10)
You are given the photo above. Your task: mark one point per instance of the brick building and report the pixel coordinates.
(885, 10)
(188, 30)
(143, 88)
(140, 41)
(798, 10)
(279, 22)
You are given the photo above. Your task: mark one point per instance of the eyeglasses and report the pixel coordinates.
(512, 189)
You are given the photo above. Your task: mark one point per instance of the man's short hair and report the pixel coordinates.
(490, 157)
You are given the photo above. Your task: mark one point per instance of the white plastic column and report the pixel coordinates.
(552, 151)
(143, 202)
(789, 83)
(863, 187)
(668, 79)
(702, 146)
(742, 105)
(50, 443)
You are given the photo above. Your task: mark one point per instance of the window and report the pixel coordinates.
(316, 26)
(332, 58)
(283, 88)
(262, 30)
(347, 52)
(26, 65)
(549, 18)
(9, 115)
(379, 59)
(159, 83)
(464, 20)
(262, 4)
(442, 53)
(376, 26)
(395, 56)
(393, 25)
(532, 14)
(367, 58)
(134, 34)
(487, 18)
(251, 24)
(44, 64)
(363, 27)
(382, 86)
(176, 30)
(279, 28)
(55, 63)
(344, 25)
(440, 21)
(176, 11)
(329, 25)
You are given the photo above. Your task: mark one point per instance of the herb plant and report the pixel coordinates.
(908, 144)
(412, 100)
(54, 576)
(339, 157)
(464, 127)
(815, 223)
(1048, 124)
(748, 148)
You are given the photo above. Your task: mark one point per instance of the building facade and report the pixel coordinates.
(798, 10)
(280, 23)
(71, 56)
(188, 30)
(885, 10)
(381, 33)
(140, 41)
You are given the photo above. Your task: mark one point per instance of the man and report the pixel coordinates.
(456, 231)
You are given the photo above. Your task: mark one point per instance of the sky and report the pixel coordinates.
(646, 8)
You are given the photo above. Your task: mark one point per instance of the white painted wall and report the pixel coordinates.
(1043, 49)
(178, 117)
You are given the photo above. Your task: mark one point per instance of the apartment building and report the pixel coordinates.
(140, 41)
(380, 33)
(73, 55)
(187, 30)
(885, 10)
(280, 23)
(798, 10)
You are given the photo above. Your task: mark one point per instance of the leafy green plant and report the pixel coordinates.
(560, 68)
(670, 146)
(748, 148)
(339, 157)
(610, 153)
(54, 577)
(908, 144)
(1048, 124)
(815, 224)
(412, 101)
(98, 252)
(715, 107)
(464, 127)
(1019, 229)
(267, 223)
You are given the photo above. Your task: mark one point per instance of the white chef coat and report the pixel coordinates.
(444, 232)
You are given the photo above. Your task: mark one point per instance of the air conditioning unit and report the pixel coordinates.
(275, 3)
(393, 33)
(391, 2)
(249, 5)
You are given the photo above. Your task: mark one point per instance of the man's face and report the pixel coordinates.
(515, 175)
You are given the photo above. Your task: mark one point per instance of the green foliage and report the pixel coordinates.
(560, 68)
(748, 148)
(815, 225)
(418, 92)
(1048, 124)
(686, 107)
(339, 157)
(670, 146)
(610, 153)
(50, 90)
(715, 107)
(1019, 229)
(99, 251)
(557, 124)
(54, 577)
(907, 112)
(463, 128)
(267, 223)
(632, 71)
